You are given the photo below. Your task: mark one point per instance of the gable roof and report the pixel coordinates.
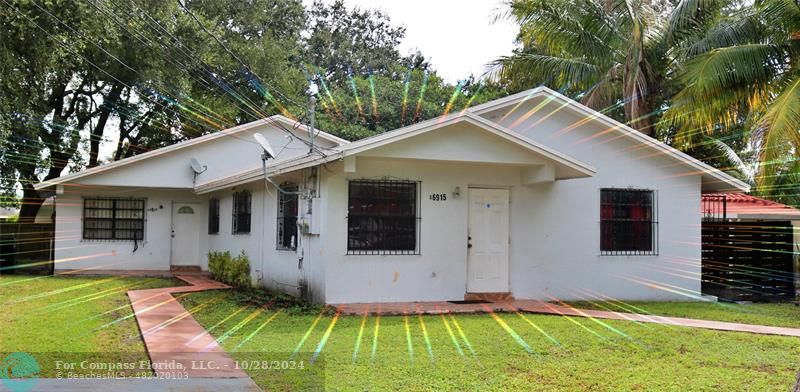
(284, 121)
(578, 168)
(710, 173)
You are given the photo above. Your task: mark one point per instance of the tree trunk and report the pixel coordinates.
(109, 102)
(31, 203)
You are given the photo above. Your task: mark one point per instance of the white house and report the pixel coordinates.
(533, 196)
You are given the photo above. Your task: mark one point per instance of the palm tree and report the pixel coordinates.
(746, 69)
(605, 51)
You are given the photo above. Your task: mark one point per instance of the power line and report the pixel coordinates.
(230, 52)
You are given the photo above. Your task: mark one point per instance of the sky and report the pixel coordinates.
(458, 36)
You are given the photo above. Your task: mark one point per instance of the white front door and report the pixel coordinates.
(487, 265)
(186, 228)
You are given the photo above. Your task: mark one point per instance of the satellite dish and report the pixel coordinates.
(196, 166)
(268, 153)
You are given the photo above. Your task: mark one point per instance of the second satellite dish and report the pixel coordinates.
(196, 166)
(269, 153)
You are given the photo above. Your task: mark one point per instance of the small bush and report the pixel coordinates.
(234, 271)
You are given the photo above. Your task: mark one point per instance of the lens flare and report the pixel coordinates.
(375, 114)
(511, 332)
(532, 324)
(404, 109)
(421, 98)
(452, 335)
(215, 326)
(360, 335)
(409, 344)
(462, 334)
(325, 336)
(375, 337)
(356, 96)
(240, 325)
(257, 330)
(307, 334)
(453, 97)
(426, 337)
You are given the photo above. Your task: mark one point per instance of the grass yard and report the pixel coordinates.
(506, 351)
(71, 318)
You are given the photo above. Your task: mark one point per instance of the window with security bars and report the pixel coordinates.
(113, 219)
(241, 212)
(383, 217)
(213, 216)
(628, 222)
(287, 217)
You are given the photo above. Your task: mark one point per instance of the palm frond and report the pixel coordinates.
(779, 130)
(748, 170)
(604, 92)
(689, 16)
(783, 12)
(743, 30)
(575, 28)
(562, 71)
(723, 68)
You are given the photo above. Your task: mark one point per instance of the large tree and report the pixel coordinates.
(606, 52)
(157, 71)
(745, 71)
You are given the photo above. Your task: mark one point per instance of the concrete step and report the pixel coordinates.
(490, 297)
(185, 268)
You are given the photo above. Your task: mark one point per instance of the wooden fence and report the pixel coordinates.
(748, 261)
(26, 248)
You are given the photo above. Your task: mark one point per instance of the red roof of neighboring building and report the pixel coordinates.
(739, 204)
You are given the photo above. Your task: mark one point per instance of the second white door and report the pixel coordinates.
(185, 234)
(487, 265)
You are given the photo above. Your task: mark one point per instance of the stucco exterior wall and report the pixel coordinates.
(73, 252)
(555, 227)
(270, 267)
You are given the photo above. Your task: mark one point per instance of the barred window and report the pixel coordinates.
(287, 217)
(383, 217)
(241, 212)
(628, 224)
(113, 219)
(213, 216)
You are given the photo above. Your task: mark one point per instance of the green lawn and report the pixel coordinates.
(71, 318)
(508, 351)
(86, 318)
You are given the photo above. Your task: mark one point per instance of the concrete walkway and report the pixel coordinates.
(178, 345)
(530, 306)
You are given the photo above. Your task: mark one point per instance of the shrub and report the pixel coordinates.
(234, 271)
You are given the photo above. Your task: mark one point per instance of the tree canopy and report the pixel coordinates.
(141, 74)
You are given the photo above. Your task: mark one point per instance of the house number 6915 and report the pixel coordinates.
(438, 196)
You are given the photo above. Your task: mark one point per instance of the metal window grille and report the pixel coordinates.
(241, 212)
(383, 217)
(213, 216)
(287, 218)
(715, 207)
(628, 222)
(113, 219)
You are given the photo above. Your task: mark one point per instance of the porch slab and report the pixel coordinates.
(179, 347)
(542, 307)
